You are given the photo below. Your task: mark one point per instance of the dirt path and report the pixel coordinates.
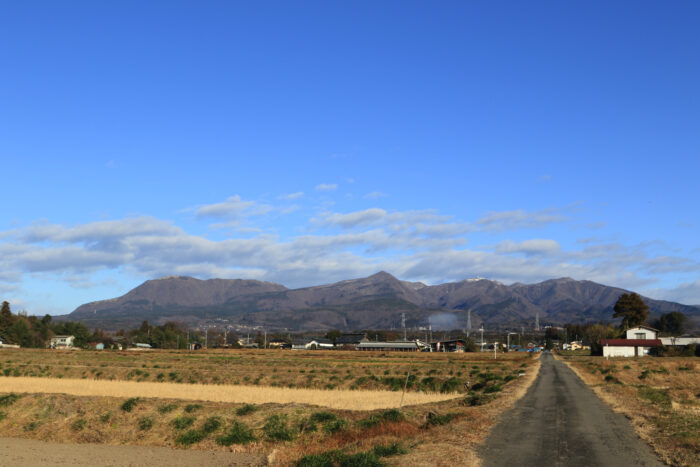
(561, 422)
(30, 453)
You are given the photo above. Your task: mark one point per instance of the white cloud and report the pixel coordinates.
(529, 247)
(291, 196)
(374, 195)
(326, 187)
(518, 219)
(233, 208)
(415, 245)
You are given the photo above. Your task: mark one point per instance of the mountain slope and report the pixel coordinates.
(376, 302)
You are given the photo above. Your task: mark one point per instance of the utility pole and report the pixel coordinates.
(469, 322)
(206, 336)
(265, 341)
(537, 321)
(482, 339)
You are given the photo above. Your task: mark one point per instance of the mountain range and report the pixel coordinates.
(374, 302)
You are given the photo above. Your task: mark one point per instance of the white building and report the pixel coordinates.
(638, 343)
(62, 342)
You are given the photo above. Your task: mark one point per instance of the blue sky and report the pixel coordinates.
(309, 142)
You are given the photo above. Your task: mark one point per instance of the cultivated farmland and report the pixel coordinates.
(661, 396)
(350, 405)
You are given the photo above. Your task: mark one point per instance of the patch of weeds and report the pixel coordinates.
(435, 419)
(323, 459)
(476, 399)
(626, 367)
(212, 424)
(238, 433)
(388, 450)
(657, 396)
(3, 415)
(166, 408)
(189, 408)
(190, 437)
(361, 459)
(276, 428)
(335, 426)
(323, 417)
(644, 374)
(612, 379)
(78, 425)
(145, 423)
(181, 423)
(390, 415)
(450, 385)
(31, 426)
(9, 399)
(105, 417)
(492, 388)
(129, 404)
(246, 409)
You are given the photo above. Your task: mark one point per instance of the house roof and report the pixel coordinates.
(388, 345)
(643, 326)
(631, 342)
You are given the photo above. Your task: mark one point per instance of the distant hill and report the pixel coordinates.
(374, 302)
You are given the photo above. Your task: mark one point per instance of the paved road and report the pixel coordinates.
(561, 422)
(16, 452)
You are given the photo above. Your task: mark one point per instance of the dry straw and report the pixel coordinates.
(334, 399)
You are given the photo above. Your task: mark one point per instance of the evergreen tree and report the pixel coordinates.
(632, 309)
(6, 318)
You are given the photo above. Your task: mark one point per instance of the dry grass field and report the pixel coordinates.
(440, 423)
(661, 396)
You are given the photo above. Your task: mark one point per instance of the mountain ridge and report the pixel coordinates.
(376, 301)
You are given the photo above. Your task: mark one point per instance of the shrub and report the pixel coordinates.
(387, 450)
(491, 389)
(189, 408)
(476, 399)
(276, 428)
(3, 415)
(237, 434)
(437, 419)
(392, 415)
(31, 426)
(322, 417)
(335, 425)
(105, 417)
(246, 409)
(324, 459)
(145, 423)
(361, 459)
(180, 423)
(450, 385)
(167, 408)
(211, 424)
(190, 437)
(508, 378)
(78, 424)
(9, 399)
(129, 404)
(644, 374)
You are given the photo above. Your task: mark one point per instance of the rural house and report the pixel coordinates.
(62, 342)
(312, 343)
(639, 341)
(453, 345)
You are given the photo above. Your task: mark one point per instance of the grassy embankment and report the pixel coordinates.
(435, 431)
(661, 396)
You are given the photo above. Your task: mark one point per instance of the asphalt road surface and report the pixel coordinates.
(16, 452)
(561, 422)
